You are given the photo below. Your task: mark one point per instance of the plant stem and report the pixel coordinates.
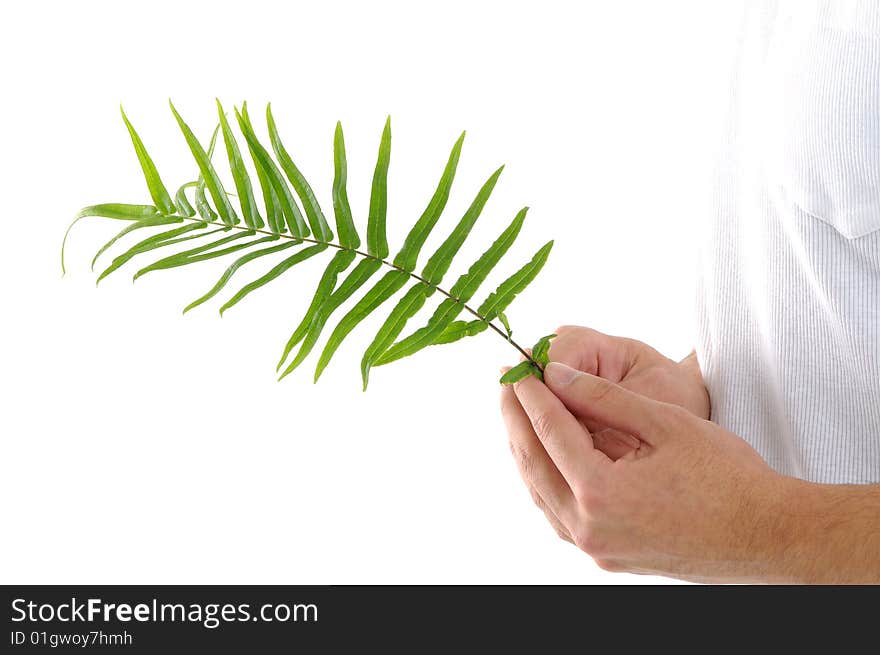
(367, 255)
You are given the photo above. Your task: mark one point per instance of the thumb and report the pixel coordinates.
(608, 403)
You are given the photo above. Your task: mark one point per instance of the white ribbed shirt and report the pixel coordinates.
(789, 293)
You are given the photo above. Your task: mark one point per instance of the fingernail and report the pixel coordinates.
(559, 374)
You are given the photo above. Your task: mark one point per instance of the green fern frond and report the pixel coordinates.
(294, 220)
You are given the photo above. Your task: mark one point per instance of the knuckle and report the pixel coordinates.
(609, 440)
(505, 401)
(543, 422)
(522, 458)
(672, 419)
(662, 378)
(574, 333)
(635, 346)
(610, 565)
(602, 389)
(588, 498)
(575, 329)
(583, 539)
(562, 534)
(586, 539)
(536, 498)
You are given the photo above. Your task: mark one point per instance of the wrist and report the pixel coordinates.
(794, 539)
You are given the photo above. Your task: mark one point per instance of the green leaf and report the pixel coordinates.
(459, 330)
(182, 202)
(412, 246)
(386, 287)
(500, 299)
(276, 270)
(283, 188)
(150, 243)
(461, 292)
(119, 211)
(540, 354)
(137, 225)
(198, 255)
(407, 307)
(354, 281)
(240, 175)
(348, 235)
(108, 210)
(406, 259)
(341, 261)
(520, 371)
(202, 205)
(212, 181)
(466, 285)
(503, 318)
(541, 350)
(238, 263)
(433, 274)
(206, 212)
(377, 241)
(317, 222)
(283, 196)
(440, 261)
(274, 216)
(425, 336)
(158, 192)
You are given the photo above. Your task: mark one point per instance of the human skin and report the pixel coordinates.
(616, 449)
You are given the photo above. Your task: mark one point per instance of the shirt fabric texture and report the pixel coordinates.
(789, 289)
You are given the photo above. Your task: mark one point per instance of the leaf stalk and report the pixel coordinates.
(500, 331)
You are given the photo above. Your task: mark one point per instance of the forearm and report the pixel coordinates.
(803, 532)
(827, 534)
(815, 533)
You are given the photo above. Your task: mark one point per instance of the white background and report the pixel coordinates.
(143, 446)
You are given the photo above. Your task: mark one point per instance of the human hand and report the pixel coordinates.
(693, 501)
(635, 366)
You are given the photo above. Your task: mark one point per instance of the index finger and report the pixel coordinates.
(564, 438)
(592, 351)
